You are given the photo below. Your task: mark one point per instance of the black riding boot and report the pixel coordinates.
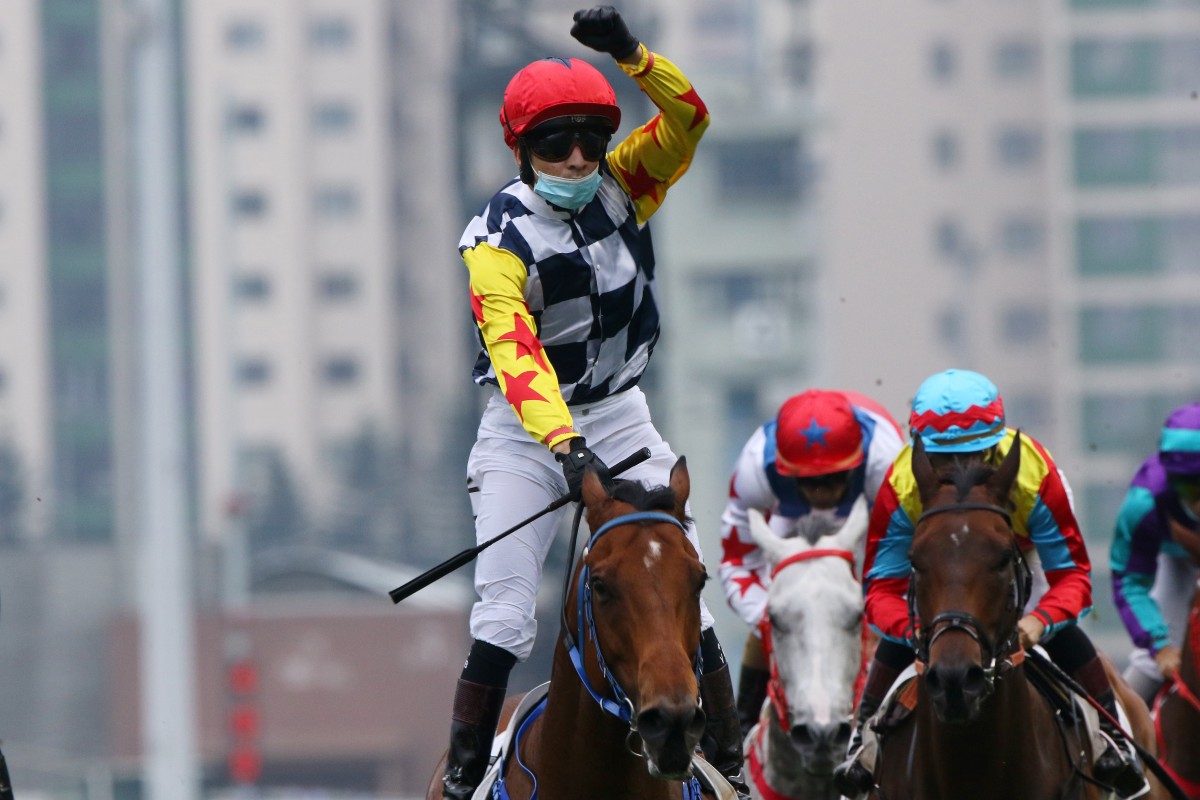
(722, 740)
(850, 777)
(476, 712)
(752, 693)
(1117, 764)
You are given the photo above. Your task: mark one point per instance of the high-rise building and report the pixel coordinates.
(1013, 188)
(324, 319)
(27, 427)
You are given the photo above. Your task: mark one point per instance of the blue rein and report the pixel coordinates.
(622, 707)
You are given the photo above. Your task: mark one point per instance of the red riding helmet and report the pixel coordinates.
(816, 434)
(556, 87)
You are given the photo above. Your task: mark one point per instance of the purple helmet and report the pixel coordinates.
(1179, 448)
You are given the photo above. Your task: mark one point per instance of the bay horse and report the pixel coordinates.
(980, 728)
(813, 638)
(1177, 711)
(622, 716)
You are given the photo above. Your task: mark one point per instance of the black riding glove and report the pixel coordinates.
(576, 462)
(601, 28)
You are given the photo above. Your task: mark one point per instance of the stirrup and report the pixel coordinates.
(1120, 768)
(851, 778)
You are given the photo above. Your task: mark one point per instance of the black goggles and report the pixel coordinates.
(830, 480)
(556, 145)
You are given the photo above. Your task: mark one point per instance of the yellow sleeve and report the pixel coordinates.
(497, 282)
(649, 161)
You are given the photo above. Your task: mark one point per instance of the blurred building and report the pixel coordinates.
(326, 300)
(1013, 188)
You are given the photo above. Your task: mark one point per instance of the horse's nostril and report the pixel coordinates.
(656, 724)
(975, 680)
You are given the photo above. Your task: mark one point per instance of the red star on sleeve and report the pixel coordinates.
(517, 390)
(526, 341)
(640, 183)
(692, 99)
(733, 549)
(651, 128)
(746, 581)
(476, 305)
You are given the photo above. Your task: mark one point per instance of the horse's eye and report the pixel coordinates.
(702, 582)
(855, 622)
(600, 591)
(774, 620)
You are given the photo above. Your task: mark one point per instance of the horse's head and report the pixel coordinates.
(969, 582)
(641, 579)
(814, 619)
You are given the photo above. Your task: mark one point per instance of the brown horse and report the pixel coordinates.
(1178, 712)
(622, 717)
(980, 728)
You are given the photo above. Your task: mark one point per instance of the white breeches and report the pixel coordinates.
(510, 477)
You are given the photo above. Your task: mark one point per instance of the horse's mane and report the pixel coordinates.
(643, 498)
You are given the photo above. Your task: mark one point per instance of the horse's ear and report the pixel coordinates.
(855, 527)
(594, 493)
(1001, 482)
(681, 485)
(922, 470)
(773, 546)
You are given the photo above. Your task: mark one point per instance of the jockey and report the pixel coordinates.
(803, 470)
(1155, 552)
(561, 277)
(959, 416)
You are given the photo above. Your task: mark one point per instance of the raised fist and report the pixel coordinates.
(601, 28)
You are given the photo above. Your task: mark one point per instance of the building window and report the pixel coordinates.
(243, 35)
(943, 61)
(335, 201)
(252, 288)
(246, 118)
(1028, 410)
(1022, 236)
(253, 372)
(946, 150)
(1018, 147)
(249, 204)
(330, 33)
(340, 371)
(1015, 59)
(1114, 156)
(332, 117)
(773, 170)
(951, 327)
(949, 239)
(1024, 325)
(339, 286)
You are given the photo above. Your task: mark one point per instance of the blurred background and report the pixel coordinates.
(235, 342)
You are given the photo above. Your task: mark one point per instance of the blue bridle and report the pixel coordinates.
(622, 707)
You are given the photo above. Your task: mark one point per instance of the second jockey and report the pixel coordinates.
(803, 470)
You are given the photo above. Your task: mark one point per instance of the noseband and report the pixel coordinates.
(997, 655)
(622, 707)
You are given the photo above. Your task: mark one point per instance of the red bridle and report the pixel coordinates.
(775, 687)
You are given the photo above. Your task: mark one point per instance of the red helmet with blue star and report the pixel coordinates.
(817, 433)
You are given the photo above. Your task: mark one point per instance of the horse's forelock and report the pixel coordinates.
(643, 498)
(965, 476)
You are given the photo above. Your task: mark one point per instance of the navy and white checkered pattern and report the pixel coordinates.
(590, 286)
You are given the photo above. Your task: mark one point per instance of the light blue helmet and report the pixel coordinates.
(957, 411)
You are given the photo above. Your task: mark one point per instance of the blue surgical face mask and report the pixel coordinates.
(571, 193)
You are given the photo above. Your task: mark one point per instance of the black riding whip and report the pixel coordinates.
(454, 562)
(1048, 667)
